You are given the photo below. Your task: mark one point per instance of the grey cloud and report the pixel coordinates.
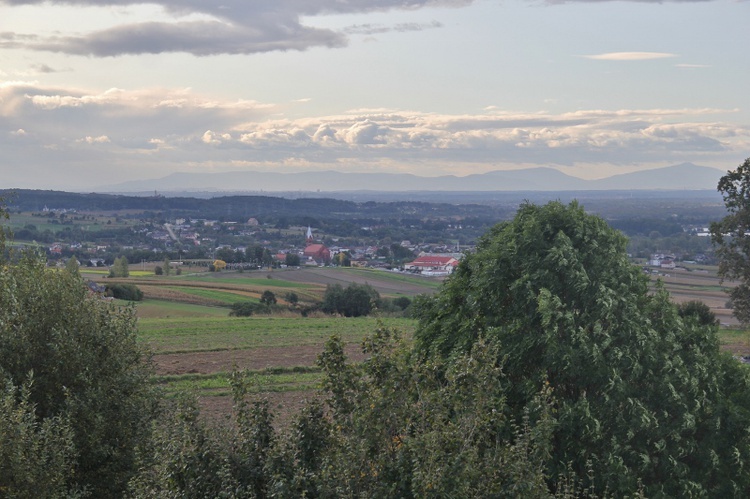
(43, 68)
(375, 29)
(556, 2)
(239, 27)
(199, 38)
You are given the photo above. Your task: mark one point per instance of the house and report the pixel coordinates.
(434, 264)
(317, 253)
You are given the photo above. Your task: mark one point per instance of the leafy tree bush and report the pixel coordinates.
(36, 457)
(292, 260)
(292, 297)
(732, 238)
(268, 298)
(129, 292)
(80, 367)
(120, 268)
(698, 310)
(158, 270)
(73, 266)
(353, 301)
(642, 395)
(247, 308)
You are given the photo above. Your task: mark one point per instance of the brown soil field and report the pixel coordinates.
(700, 285)
(255, 359)
(283, 405)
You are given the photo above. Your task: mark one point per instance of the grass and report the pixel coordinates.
(207, 334)
(169, 310)
(735, 340)
(226, 297)
(219, 384)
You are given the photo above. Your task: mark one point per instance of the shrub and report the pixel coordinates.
(129, 292)
(247, 308)
(79, 360)
(353, 301)
(268, 298)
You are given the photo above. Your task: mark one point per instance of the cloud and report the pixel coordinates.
(374, 29)
(559, 2)
(102, 139)
(143, 133)
(630, 56)
(692, 66)
(228, 27)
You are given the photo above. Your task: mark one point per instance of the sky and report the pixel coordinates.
(97, 92)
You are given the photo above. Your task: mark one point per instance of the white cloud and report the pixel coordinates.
(150, 132)
(102, 139)
(630, 56)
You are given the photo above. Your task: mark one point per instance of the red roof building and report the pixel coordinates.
(432, 263)
(319, 253)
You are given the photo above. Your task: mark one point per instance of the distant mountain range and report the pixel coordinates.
(685, 176)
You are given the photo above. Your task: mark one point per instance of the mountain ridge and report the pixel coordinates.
(684, 176)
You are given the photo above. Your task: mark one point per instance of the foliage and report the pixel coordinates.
(292, 297)
(353, 301)
(167, 266)
(129, 292)
(402, 302)
(73, 266)
(641, 393)
(36, 457)
(268, 298)
(292, 260)
(731, 236)
(77, 359)
(698, 310)
(247, 308)
(390, 428)
(219, 265)
(120, 268)
(158, 270)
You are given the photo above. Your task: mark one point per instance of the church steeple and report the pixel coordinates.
(309, 235)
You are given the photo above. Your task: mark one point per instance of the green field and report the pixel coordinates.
(266, 381)
(208, 334)
(240, 278)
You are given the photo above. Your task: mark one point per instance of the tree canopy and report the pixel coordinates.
(731, 236)
(643, 395)
(74, 381)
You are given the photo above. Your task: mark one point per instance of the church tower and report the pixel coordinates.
(309, 235)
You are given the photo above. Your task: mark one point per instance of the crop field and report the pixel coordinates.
(198, 354)
(196, 344)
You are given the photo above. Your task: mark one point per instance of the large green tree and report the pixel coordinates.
(81, 372)
(643, 395)
(731, 236)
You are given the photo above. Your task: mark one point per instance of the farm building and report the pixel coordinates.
(433, 264)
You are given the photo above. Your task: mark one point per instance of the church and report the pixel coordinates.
(316, 253)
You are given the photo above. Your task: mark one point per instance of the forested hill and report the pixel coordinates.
(618, 207)
(241, 207)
